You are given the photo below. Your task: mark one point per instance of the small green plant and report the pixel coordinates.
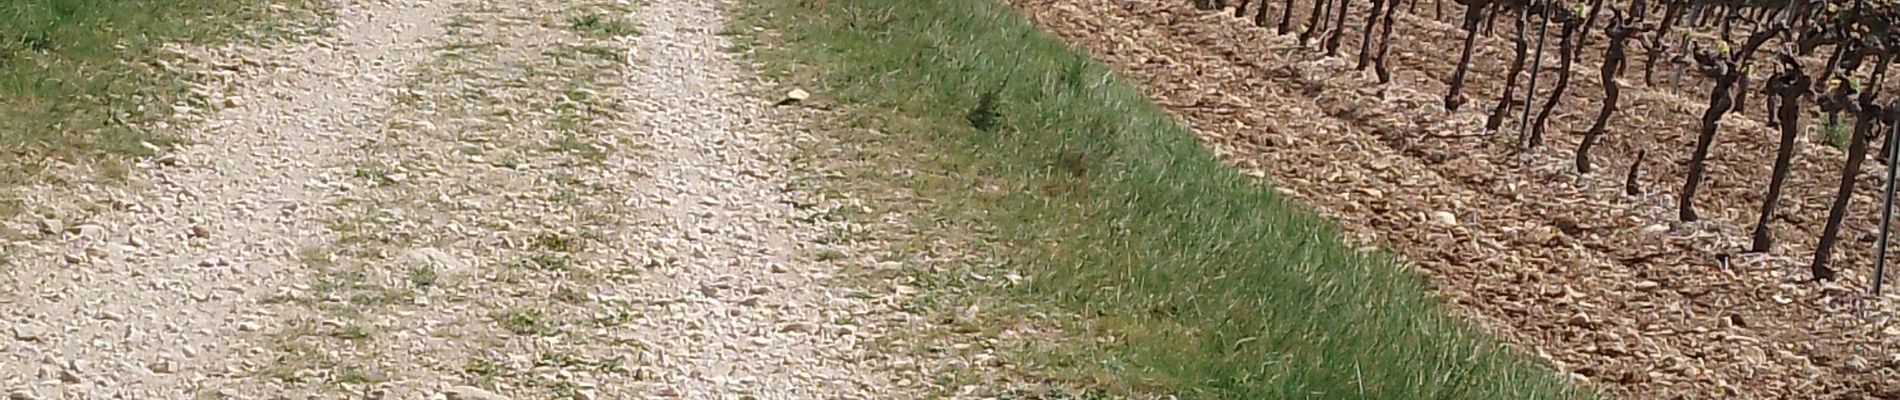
(374, 175)
(565, 389)
(481, 368)
(844, 235)
(370, 295)
(984, 117)
(604, 53)
(353, 333)
(562, 360)
(578, 147)
(357, 376)
(544, 262)
(294, 355)
(316, 257)
(462, 21)
(422, 277)
(556, 242)
(569, 295)
(601, 25)
(524, 322)
(1835, 131)
(613, 319)
(510, 161)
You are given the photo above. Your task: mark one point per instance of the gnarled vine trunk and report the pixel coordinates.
(1719, 102)
(1260, 14)
(1385, 42)
(1619, 33)
(1286, 18)
(1474, 11)
(1313, 20)
(1566, 39)
(1522, 44)
(1365, 38)
(1339, 28)
(1671, 11)
(1721, 99)
(1788, 86)
(1864, 114)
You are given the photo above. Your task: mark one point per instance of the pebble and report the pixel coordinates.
(28, 333)
(795, 96)
(92, 231)
(798, 327)
(443, 262)
(162, 367)
(471, 393)
(51, 226)
(1444, 218)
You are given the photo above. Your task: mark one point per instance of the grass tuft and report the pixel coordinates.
(525, 322)
(600, 24)
(1836, 131)
(1201, 282)
(984, 117)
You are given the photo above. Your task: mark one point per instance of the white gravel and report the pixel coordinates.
(739, 327)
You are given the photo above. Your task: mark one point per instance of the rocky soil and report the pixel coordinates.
(456, 199)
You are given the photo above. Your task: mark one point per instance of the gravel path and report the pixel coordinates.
(754, 315)
(460, 199)
(148, 291)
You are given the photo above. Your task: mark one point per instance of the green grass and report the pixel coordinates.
(1836, 131)
(602, 25)
(1203, 283)
(525, 322)
(74, 73)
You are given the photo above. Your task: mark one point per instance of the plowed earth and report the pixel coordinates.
(1608, 288)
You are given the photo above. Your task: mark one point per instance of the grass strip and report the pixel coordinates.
(1208, 283)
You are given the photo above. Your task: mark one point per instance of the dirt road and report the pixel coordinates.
(462, 199)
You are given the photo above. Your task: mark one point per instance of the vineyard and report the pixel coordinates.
(1662, 199)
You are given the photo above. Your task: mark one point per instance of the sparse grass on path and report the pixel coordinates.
(1206, 283)
(67, 66)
